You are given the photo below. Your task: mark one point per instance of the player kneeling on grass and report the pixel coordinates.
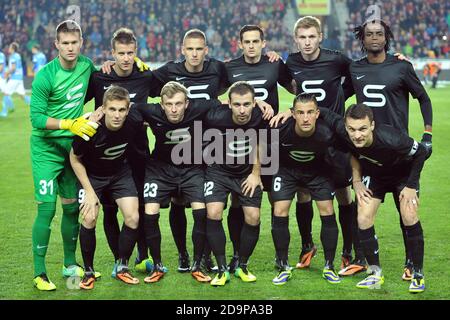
(384, 160)
(102, 171)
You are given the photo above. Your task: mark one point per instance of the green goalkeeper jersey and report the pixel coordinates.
(59, 93)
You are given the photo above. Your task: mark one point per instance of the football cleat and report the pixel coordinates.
(76, 271)
(125, 276)
(234, 264)
(356, 266)
(73, 271)
(43, 283)
(208, 264)
(346, 259)
(407, 272)
(245, 275)
(220, 279)
(183, 262)
(330, 275)
(198, 274)
(156, 275)
(87, 283)
(282, 277)
(371, 282)
(417, 284)
(144, 266)
(305, 257)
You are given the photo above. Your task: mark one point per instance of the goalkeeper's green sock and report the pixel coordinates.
(69, 231)
(41, 235)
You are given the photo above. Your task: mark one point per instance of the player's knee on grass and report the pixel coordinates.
(90, 221)
(251, 215)
(130, 209)
(281, 208)
(152, 208)
(409, 216)
(215, 210)
(325, 207)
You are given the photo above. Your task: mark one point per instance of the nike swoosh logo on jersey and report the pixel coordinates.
(237, 75)
(106, 88)
(333, 193)
(360, 77)
(287, 144)
(41, 247)
(100, 145)
(297, 72)
(132, 95)
(179, 78)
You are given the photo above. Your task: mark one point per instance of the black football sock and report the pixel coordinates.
(141, 242)
(199, 232)
(216, 238)
(235, 221)
(345, 220)
(111, 227)
(359, 250)
(153, 236)
(281, 237)
(249, 238)
(304, 213)
(329, 237)
(415, 243)
(178, 225)
(369, 242)
(88, 244)
(127, 240)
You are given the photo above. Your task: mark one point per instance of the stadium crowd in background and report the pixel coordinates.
(418, 26)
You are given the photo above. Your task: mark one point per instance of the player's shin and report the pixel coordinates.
(69, 230)
(41, 235)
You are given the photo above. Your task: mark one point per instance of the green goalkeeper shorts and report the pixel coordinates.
(52, 172)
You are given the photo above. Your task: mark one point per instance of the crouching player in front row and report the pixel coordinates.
(384, 160)
(101, 169)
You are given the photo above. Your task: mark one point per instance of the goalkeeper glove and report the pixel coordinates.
(426, 142)
(142, 66)
(80, 126)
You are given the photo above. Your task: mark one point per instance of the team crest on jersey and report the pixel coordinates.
(114, 152)
(178, 136)
(74, 96)
(302, 156)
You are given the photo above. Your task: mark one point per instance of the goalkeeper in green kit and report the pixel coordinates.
(57, 100)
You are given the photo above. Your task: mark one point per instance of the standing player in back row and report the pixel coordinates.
(264, 76)
(56, 106)
(320, 71)
(383, 83)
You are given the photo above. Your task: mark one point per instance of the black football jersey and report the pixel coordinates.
(237, 145)
(140, 85)
(322, 77)
(264, 76)
(392, 152)
(207, 84)
(385, 87)
(305, 153)
(180, 135)
(105, 153)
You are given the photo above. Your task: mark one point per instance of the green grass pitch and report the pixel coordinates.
(17, 212)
